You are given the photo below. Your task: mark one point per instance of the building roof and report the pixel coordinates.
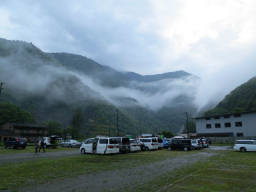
(224, 114)
(5, 133)
(27, 125)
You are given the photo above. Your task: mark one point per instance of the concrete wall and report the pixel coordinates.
(248, 125)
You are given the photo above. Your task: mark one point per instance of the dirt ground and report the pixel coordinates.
(119, 180)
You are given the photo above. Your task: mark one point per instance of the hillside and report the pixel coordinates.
(52, 86)
(242, 99)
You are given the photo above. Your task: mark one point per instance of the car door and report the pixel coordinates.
(88, 146)
(102, 145)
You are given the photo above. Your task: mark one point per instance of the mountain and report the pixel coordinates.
(242, 99)
(54, 86)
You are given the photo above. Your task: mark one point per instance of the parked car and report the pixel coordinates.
(166, 142)
(50, 142)
(149, 143)
(181, 144)
(70, 143)
(134, 145)
(100, 145)
(245, 145)
(205, 143)
(16, 142)
(197, 144)
(124, 144)
(160, 142)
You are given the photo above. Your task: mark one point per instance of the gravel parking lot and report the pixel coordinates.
(120, 179)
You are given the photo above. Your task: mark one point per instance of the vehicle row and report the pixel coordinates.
(187, 144)
(110, 145)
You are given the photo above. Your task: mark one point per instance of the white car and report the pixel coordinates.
(196, 143)
(245, 145)
(134, 145)
(100, 145)
(149, 143)
(70, 143)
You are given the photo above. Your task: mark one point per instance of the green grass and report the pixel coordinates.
(43, 170)
(228, 171)
(222, 144)
(31, 149)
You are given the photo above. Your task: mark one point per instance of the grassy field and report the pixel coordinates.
(31, 172)
(31, 149)
(228, 171)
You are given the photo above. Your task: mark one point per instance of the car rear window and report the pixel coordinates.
(125, 140)
(154, 140)
(145, 140)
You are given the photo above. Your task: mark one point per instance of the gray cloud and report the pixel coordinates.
(148, 37)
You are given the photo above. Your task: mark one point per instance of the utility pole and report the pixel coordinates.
(187, 124)
(1, 87)
(117, 126)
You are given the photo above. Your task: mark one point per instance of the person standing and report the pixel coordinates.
(42, 145)
(37, 145)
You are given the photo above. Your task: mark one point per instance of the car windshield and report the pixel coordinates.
(154, 140)
(132, 141)
(145, 140)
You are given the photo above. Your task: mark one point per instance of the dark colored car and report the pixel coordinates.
(181, 144)
(15, 143)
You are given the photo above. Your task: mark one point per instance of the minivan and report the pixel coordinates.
(182, 144)
(245, 145)
(149, 143)
(124, 144)
(100, 145)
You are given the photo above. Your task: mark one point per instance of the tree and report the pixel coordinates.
(167, 134)
(54, 128)
(11, 113)
(76, 122)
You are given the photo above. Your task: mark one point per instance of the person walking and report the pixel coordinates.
(42, 145)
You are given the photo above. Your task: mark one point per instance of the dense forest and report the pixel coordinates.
(242, 99)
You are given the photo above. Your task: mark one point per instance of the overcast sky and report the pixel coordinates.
(214, 39)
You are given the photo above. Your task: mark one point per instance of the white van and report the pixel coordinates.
(245, 145)
(149, 143)
(100, 145)
(134, 145)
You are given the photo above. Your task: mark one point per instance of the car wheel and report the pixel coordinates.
(146, 149)
(185, 149)
(243, 149)
(82, 151)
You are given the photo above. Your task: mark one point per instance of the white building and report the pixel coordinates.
(228, 125)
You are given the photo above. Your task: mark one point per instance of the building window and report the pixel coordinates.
(237, 115)
(208, 126)
(239, 124)
(239, 134)
(217, 117)
(217, 125)
(226, 116)
(227, 124)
